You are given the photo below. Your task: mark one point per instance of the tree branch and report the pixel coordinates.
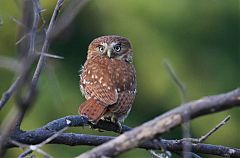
(23, 103)
(139, 136)
(68, 16)
(164, 123)
(72, 139)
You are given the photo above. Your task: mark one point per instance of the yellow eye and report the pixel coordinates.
(117, 47)
(101, 48)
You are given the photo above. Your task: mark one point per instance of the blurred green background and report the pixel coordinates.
(199, 38)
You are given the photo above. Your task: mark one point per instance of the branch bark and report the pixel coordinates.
(164, 123)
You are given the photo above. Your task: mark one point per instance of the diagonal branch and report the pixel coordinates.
(46, 43)
(164, 123)
(68, 16)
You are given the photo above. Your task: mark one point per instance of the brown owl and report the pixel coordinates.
(108, 80)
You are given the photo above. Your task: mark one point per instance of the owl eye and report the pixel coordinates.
(101, 48)
(117, 47)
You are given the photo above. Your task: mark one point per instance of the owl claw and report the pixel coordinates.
(118, 123)
(120, 127)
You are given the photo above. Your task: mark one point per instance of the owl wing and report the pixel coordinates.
(102, 93)
(97, 83)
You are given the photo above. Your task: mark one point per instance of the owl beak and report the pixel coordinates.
(109, 52)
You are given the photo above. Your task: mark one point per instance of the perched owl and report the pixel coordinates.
(108, 80)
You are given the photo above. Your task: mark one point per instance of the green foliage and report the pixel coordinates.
(199, 38)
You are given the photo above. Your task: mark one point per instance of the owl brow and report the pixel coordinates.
(119, 44)
(100, 45)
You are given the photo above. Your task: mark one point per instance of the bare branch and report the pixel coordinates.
(10, 63)
(19, 23)
(6, 96)
(37, 9)
(22, 38)
(164, 123)
(68, 16)
(182, 88)
(183, 93)
(139, 136)
(72, 139)
(223, 122)
(25, 153)
(213, 130)
(46, 43)
(50, 55)
(24, 103)
(38, 146)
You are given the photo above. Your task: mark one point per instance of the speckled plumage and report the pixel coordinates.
(108, 79)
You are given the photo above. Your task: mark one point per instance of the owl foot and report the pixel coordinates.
(118, 123)
(120, 129)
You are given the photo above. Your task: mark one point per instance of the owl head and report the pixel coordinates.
(112, 46)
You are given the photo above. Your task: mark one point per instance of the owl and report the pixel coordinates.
(108, 80)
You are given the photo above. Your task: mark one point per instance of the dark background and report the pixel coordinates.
(199, 38)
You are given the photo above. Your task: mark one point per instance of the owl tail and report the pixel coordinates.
(92, 109)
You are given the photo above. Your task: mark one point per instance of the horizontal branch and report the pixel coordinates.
(77, 121)
(164, 123)
(72, 139)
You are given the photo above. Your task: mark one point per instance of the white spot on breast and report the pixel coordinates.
(96, 76)
(109, 87)
(118, 89)
(92, 76)
(100, 80)
(104, 84)
(89, 71)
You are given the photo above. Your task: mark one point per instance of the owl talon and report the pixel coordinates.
(120, 127)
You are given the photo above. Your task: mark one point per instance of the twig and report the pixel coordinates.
(50, 55)
(181, 87)
(209, 133)
(183, 93)
(223, 122)
(22, 38)
(68, 16)
(37, 9)
(11, 64)
(25, 153)
(46, 43)
(164, 123)
(19, 23)
(38, 146)
(6, 95)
